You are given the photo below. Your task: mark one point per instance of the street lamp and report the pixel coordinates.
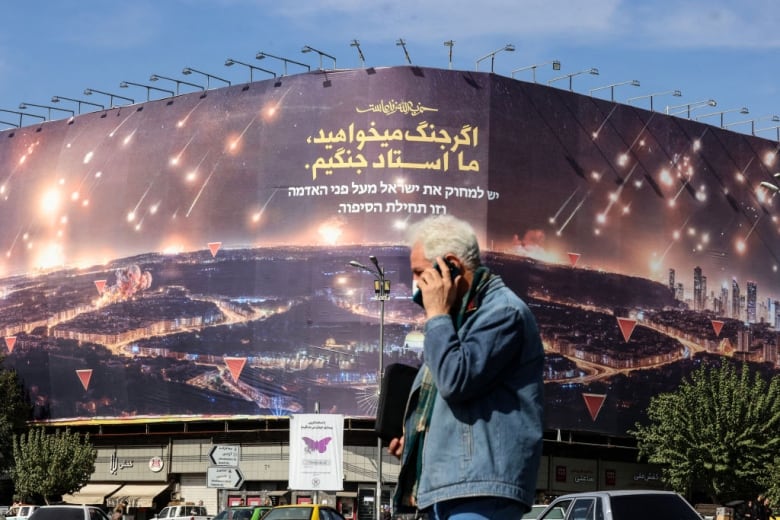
(675, 93)
(189, 70)
(382, 291)
(362, 58)
(776, 127)
(149, 88)
(633, 83)
(90, 91)
(308, 48)
(24, 105)
(260, 55)
(155, 77)
(450, 44)
(21, 115)
(492, 55)
(752, 122)
(402, 43)
(556, 65)
(743, 110)
(230, 62)
(687, 107)
(57, 99)
(593, 70)
(10, 124)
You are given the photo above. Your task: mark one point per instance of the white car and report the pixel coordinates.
(68, 512)
(22, 512)
(620, 505)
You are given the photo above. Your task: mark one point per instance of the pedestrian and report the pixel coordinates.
(472, 438)
(119, 510)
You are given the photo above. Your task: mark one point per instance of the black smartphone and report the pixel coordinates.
(454, 272)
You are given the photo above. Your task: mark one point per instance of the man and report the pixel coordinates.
(473, 429)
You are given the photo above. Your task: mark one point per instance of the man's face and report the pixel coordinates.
(417, 261)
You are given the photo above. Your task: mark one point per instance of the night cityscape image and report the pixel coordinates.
(191, 256)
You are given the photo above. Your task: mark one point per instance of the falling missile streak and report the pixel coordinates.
(183, 121)
(619, 191)
(574, 212)
(554, 218)
(200, 191)
(669, 247)
(117, 127)
(641, 131)
(241, 135)
(138, 204)
(262, 209)
(598, 130)
(752, 228)
(197, 166)
(175, 160)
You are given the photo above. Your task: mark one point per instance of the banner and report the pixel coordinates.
(317, 452)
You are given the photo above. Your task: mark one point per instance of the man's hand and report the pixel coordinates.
(438, 289)
(396, 447)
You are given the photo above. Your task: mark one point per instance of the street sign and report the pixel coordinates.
(225, 454)
(224, 478)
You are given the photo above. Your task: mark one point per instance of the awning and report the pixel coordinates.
(277, 493)
(137, 495)
(346, 494)
(91, 494)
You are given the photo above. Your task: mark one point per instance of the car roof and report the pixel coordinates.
(618, 492)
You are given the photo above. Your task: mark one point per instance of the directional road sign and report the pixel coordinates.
(224, 478)
(225, 454)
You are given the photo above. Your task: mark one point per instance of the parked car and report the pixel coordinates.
(535, 511)
(68, 512)
(20, 512)
(243, 513)
(620, 505)
(303, 512)
(183, 512)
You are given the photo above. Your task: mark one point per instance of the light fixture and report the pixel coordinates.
(24, 105)
(57, 99)
(362, 58)
(688, 107)
(149, 88)
(10, 124)
(189, 70)
(450, 44)
(752, 122)
(593, 71)
(21, 115)
(402, 43)
(309, 48)
(675, 93)
(90, 91)
(230, 62)
(261, 55)
(155, 77)
(492, 55)
(632, 82)
(743, 110)
(556, 65)
(382, 292)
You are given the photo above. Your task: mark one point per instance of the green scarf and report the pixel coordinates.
(421, 405)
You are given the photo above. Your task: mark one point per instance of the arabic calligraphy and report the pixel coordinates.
(646, 476)
(392, 107)
(114, 464)
(353, 154)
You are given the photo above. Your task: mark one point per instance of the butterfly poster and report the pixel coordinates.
(317, 452)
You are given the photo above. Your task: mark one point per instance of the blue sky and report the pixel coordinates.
(708, 49)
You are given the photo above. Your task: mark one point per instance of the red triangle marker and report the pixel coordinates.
(235, 365)
(10, 341)
(717, 326)
(626, 327)
(214, 248)
(100, 285)
(85, 374)
(573, 258)
(594, 402)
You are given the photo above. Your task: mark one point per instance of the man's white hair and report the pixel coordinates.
(445, 234)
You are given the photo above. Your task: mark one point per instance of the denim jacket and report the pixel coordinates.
(485, 435)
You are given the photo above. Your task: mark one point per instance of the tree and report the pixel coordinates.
(51, 464)
(14, 414)
(717, 433)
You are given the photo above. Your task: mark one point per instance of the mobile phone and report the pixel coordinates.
(454, 272)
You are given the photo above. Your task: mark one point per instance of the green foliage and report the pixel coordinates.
(717, 433)
(14, 414)
(51, 464)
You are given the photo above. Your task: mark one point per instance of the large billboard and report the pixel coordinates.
(189, 256)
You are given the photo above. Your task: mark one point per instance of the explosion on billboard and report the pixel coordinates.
(130, 280)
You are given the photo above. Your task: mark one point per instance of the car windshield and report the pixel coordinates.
(289, 513)
(59, 513)
(652, 507)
